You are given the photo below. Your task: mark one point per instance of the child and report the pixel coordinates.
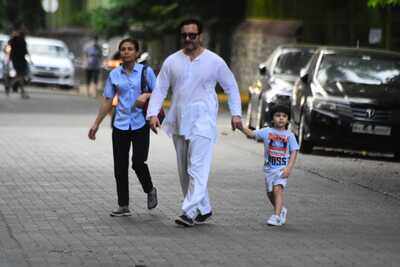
(280, 151)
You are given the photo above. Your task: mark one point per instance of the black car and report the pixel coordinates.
(348, 98)
(275, 85)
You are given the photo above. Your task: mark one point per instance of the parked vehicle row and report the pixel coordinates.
(340, 97)
(278, 75)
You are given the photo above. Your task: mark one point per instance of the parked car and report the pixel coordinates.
(3, 43)
(51, 62)
(348, 98)
(278, 75)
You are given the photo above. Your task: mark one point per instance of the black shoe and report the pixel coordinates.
(184, 221)
(120, 212)
(152, 199)
(200, 219)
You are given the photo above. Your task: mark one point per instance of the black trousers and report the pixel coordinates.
(122, 140)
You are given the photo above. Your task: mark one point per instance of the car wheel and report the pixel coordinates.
(306, 146)
(397, 156)
(66, 87)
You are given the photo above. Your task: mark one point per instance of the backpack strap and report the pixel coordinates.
(143, 80)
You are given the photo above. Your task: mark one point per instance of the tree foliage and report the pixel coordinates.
(383, 3)
(157, 16)
(17, 13)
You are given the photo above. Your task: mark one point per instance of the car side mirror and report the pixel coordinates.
(304, 75)
(262, 69)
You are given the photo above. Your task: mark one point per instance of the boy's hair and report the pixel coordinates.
(280, 108)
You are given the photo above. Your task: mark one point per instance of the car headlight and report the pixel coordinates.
(324, 105)
(67, 70)
(255, 88)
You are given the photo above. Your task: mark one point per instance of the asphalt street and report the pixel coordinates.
(57, 189)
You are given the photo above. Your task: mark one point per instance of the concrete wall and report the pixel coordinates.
(252, 43)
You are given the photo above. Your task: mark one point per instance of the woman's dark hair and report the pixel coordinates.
(129, 40)
(192, 21)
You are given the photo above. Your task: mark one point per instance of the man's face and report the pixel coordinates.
(190, 36)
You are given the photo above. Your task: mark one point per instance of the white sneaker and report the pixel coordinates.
(283, 215)
(274, 220)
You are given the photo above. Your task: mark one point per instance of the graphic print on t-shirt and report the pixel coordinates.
(277, 149)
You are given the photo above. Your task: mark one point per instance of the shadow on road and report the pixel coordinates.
(357, 154)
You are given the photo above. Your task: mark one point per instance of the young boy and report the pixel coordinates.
(280, 151)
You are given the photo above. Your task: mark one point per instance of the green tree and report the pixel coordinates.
(16, 13)
(159, 16)
(386, 11)
(383, 3)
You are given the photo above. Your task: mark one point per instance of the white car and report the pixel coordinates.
(51, 62)
(3, 42)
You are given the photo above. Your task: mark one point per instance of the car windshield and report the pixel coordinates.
(49, 50)
(291, 61)
(361, 69)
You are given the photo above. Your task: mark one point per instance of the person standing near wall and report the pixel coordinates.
(93, 57)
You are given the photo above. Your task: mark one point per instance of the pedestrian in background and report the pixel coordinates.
(130, 126)
(93, 61)
(280, 152)
(192, 74)
(18, 55)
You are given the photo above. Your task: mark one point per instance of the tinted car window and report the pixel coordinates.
(291, 61)
(361, 69)
(43, 49)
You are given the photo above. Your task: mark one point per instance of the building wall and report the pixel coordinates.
(253, 41)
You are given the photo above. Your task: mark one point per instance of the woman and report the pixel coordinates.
(129, 125)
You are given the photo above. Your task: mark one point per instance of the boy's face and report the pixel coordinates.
(280, 120)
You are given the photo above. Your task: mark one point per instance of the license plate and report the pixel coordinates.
(371, 129)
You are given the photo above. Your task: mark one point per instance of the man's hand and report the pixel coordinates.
(92, 132)
(141, 100)
(236, 123)
(154, 123)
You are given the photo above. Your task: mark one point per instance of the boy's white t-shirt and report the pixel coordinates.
(278, 145)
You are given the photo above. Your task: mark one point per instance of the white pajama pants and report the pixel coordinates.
(194, 162)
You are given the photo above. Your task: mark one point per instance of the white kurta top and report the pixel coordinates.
(194, 105)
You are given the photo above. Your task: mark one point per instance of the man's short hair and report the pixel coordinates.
(192, 21)
(129, 40)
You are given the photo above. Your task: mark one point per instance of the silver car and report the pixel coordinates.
(51, 62)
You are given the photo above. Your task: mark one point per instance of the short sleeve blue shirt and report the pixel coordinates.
(277, 147)
(128, 88)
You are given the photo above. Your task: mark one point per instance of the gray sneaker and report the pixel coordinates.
(121, 211)
(152, 199)
(184, 221)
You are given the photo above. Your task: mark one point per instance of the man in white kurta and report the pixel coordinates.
(192, 74)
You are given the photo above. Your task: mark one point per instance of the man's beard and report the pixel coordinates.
(190, 46)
